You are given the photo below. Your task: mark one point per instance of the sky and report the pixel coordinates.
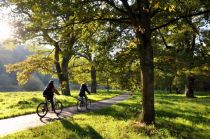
(5, 28)
(5, 31)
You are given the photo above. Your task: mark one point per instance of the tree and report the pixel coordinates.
(144, 18)
(87, 49)
(193, 55)
(49, 23)
(33, 63)
(80, 69)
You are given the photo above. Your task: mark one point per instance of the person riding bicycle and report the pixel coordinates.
(49, 93)
(83, 89)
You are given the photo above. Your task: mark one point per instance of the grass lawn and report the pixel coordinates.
(20, 103)
(177, 117)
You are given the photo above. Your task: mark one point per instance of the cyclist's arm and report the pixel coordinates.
(45, 96)
(56, 91)
(86, 89)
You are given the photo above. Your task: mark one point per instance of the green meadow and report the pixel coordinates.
(177, 117)
(21, 103)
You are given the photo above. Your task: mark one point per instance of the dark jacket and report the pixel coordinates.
(50, 90)
(83, 89)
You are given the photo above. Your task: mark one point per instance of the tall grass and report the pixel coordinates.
(20, 103)
(177, 117)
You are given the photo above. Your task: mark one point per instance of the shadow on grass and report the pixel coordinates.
(193, 117)
(179, 130)
(120, 111)
(163, 102)
(87, 132)
(172, 98)
(124, 111)
(200, 98)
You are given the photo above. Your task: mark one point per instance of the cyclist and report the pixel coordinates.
(83, 89)
(49, 93)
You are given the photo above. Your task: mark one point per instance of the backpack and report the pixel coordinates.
(46, 92)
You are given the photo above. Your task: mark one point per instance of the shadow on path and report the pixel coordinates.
(46, 120)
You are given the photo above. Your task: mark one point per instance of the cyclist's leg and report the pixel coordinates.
(52, 102)
(86, 98)
(82, 99)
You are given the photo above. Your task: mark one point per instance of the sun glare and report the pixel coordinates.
(5, 31)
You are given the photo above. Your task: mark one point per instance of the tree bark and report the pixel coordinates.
(189, 87)
(171, 84)
(62, 72)
(147, 80)
(93, 79)
(65, 76)
(147, 68)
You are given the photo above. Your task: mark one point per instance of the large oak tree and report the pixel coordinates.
(144, 17)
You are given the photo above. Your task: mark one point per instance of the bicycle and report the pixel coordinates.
(83, 104)
(43, 108)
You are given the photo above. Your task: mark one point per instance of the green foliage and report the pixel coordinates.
(80, 70)
(46, 23)
(182, 52)
(126, 72)
(57, 23)
(27, 67)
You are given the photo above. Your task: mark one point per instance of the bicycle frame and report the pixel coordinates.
(83, 103)
(45, 107)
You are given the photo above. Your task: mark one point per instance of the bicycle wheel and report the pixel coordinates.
(80, 106)
(88, 104)
(58, 107)
(42, 109)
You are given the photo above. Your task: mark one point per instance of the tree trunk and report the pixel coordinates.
(171, 84)
(147, 69)
(65, 76)
(93, 80)
(189, 87)
(62, 72)
(147, 80)
(64, 82)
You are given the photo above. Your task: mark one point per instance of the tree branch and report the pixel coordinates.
(154, 12)
(164, 41)
(192, 26)
(83, 55)
(178, 18)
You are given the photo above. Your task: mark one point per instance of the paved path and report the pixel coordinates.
(11, 125)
